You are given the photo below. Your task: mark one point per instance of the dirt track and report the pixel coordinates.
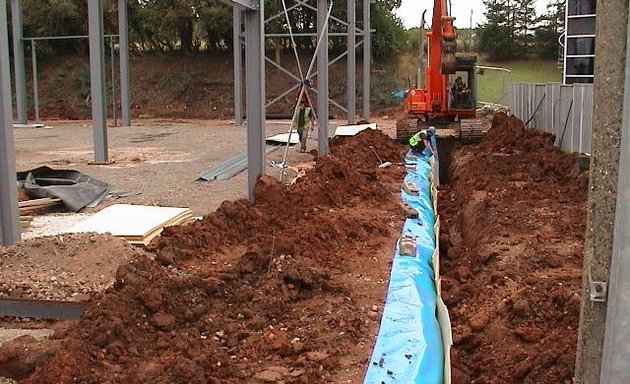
(513, 226)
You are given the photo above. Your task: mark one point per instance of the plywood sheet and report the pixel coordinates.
(135, 222)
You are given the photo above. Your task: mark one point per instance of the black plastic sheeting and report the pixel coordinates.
(75, 189)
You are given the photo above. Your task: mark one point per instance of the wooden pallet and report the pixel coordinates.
(28, 206)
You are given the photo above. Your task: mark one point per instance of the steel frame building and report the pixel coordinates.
(252, 13)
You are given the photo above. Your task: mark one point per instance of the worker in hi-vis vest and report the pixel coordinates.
(422, 143)
(304, 122)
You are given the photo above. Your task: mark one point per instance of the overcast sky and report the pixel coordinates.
(411, 11)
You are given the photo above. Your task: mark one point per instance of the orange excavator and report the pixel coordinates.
(445, 92)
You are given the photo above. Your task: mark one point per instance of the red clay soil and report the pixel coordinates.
(513, 221)
(286, 290)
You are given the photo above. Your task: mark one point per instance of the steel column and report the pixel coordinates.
(123, 44)
(352, 86)
(255, 80)
(9, 214)
(97, 80)
(238, 66)
(322, 79)
(367, 55)
(35, 83)
(18, 62)
(617, 336)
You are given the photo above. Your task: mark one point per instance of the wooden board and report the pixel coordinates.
(28, 206)
(138, 224)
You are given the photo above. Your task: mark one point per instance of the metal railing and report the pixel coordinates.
(565, 111)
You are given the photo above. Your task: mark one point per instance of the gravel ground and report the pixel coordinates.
(8, 334)
(63, 267)
(159, 159)
(51, 225)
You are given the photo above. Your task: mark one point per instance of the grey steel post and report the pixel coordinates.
(112, 59)
(367, 56)
(9, 214)
(18, 62)
(123, 43)
(97, 80)
(617, 337)
(255, 80)
(322, 79)
(238, 66)
(35, 83)
(352, 62)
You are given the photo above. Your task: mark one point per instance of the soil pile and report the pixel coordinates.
(513, 220)
(280, 291)
(63, 267)
(317, 212)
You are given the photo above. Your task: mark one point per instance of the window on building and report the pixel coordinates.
(579, 80)
(581, 26)
(581, 7)
(579, 66)
(581, 46)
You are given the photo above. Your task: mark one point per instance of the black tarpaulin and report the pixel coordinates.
(74, 188)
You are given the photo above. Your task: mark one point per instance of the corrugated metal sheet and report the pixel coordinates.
(230, 167)
(563, 110)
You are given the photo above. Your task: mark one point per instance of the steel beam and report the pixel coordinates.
(18, 62)
(42, 309)
(322, 79)
(255, 80)
(35, 82)
(123, 42)
(247, 5)
(238, 66)
(617, 336)
(9, 214)
(352, 62)
(367, 56)
(97, 80)
(308, 34)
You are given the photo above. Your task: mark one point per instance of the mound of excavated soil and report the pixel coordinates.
(286, 290)
(62, 267)
(513, 220)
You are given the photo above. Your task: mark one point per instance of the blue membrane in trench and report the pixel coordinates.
(409, 345)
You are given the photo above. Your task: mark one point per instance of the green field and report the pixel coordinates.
(493, 85)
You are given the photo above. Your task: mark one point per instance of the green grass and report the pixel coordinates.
(492, 85)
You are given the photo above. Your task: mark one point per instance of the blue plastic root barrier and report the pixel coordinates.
(409, 346)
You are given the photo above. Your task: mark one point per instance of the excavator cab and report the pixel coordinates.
(463, 87)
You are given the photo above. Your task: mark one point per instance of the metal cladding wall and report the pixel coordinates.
(563, 110)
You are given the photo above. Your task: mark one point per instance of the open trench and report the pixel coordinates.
(512, 213)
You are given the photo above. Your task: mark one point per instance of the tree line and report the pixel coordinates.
(199, 26)
(513, 29)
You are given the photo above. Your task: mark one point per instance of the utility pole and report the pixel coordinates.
(603, 234)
